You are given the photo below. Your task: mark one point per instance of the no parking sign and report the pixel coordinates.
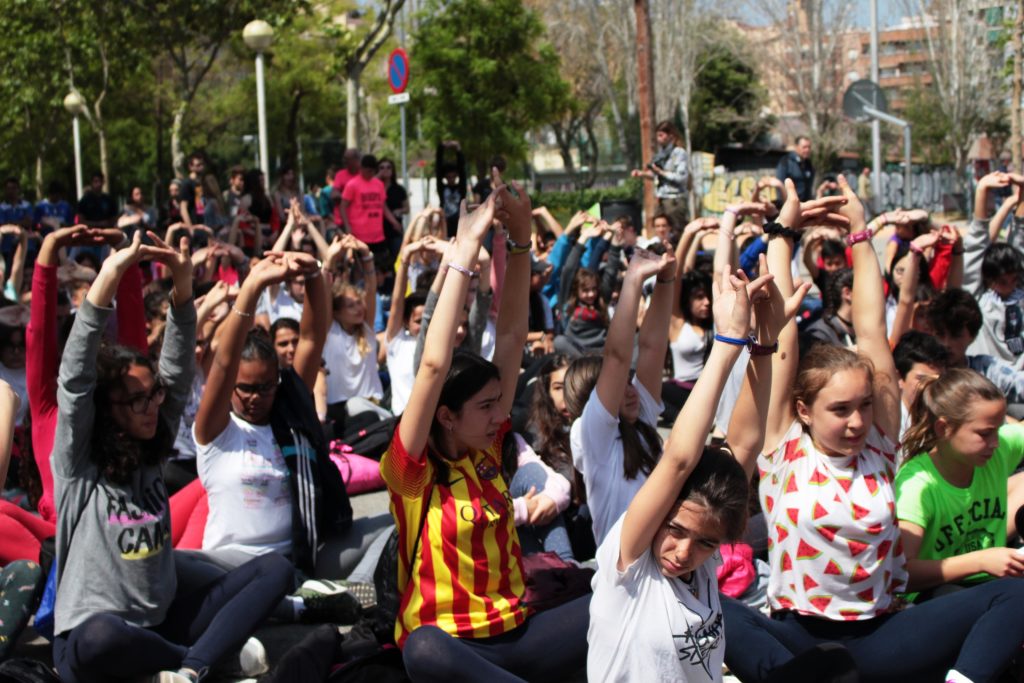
(398, 70)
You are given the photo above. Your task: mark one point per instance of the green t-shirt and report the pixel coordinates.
(957, 521)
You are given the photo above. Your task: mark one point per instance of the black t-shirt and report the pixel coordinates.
(396, 197)
(97, 206)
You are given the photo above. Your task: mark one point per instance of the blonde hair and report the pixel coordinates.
(425, 223)
(949, 397)
(820, 365)
(339, 290)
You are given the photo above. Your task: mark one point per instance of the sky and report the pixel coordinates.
(889, 12)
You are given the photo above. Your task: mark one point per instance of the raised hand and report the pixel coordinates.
(796, 216)
(178, 261)
(852, 210)
(645, 263)
(732, 294)
(772, 311)
(473, 226)
(701, 225)
(514, 210)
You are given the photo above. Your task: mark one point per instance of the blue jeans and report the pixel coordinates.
(975, 631)
(554, 537)
(201, 628)
(550, 646)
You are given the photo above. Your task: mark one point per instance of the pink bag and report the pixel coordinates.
(737, 571)
(360, 474)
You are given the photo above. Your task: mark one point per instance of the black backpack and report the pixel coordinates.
(23, 670)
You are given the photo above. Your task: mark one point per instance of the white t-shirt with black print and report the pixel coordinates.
(645, 626)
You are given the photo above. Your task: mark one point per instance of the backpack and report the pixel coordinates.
(23, 670)
(369, 437)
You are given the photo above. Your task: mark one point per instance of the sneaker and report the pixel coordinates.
(173, 677)
(365, 593)
(252, 659)
(336, 608)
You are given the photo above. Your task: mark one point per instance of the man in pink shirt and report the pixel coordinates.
(363, 207)
(349, 170)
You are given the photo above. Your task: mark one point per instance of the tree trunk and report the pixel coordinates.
(352, 109)
(291, 149)
(691, 192)
(645, 92)
(177, 126)
(101, 135)
(39, 174)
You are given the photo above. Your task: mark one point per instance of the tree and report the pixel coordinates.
(803, 49)
(484, 76)
(191, 34)
(965, 68)
(99, 53)
(727, 99)
(354, 51)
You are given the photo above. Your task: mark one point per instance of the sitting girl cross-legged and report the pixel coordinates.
(655, 613)
(952, 492)
(461, 616)
(826, 488)
(121, 610)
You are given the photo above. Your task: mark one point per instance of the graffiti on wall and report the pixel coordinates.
(932, 189)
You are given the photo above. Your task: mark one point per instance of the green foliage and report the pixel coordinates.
(482, 76)
(727, 98)
(562, 203)
(930, 130)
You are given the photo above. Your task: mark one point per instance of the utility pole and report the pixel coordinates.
(645, 95)
(1015, 141)
(876, 125)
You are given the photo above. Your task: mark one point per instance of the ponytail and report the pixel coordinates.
(948, 397)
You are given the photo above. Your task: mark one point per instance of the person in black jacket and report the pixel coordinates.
(796, 165)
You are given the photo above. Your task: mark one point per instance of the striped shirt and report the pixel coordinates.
(467, 574)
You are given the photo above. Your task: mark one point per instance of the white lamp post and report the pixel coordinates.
(74, 104)
(258, 35)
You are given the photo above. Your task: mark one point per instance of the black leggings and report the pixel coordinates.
(550, 646)
(212, 621)
(976, 631)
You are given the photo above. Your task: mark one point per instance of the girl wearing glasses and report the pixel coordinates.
(120, 610)
(261, 452)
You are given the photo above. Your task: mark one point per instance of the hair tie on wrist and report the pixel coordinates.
(516, 245)
(733, 211)
(461, 269)
(774, 229)
(734, 341)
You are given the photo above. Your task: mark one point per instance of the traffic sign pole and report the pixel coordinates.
(398, 79)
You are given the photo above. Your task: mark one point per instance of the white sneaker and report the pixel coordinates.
(171, 677)
(252, 660)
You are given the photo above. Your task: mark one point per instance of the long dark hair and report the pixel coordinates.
(641, 443)
(549, 425)
(115, 453)
(468, 374)
(692, 282)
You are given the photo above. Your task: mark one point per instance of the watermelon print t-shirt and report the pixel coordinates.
(834, 544)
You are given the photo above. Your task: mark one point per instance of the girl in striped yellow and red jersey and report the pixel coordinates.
(462, 615)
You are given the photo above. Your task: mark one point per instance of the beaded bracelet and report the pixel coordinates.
(861, 236)
(242, 313)
(461, 269)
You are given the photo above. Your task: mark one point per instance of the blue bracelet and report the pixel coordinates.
(731, 340)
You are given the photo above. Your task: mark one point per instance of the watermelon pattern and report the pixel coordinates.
(832, 529)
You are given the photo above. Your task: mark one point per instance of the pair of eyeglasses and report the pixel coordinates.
(139, 404)
(248, 390)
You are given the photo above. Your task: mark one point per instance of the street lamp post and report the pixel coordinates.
(258, 35)
(74, 104)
